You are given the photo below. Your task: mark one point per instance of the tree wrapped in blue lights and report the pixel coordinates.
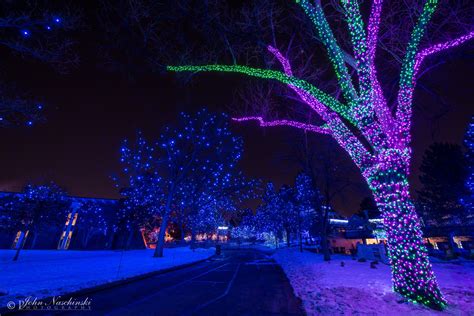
(91, 221)
(205, 199)
(268, 221)
(286, 212)
(468, 199)
(190, 170)
(307, 199)
(38, 209)
(141, 187)
(200, 150)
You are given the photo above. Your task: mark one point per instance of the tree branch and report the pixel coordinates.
(299, 125)
(316, 14)
(363, 108)
(380, 104)
(438, 48)
(407, 82)
(300, 84)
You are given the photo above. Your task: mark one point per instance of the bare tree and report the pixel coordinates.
(29, 30)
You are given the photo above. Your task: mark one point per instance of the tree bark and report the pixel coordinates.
(300, 241)
(182, 232)
(193, 239)
(325, 247)
(86, 238)
(33, 242)
(299, 232)
(21, 241)
(324, 236)
(160, 242)
(129, 240)
(412, 273)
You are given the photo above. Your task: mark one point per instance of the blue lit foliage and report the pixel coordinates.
(205, 203)
(199, 163)
(32, 31)
(268, 219)
(16, 111)
(39, 33)
(91, 221)
(307, 199)
(141, 185)
(287, 211)
(39, 208)
(468, 200)
(190, 172)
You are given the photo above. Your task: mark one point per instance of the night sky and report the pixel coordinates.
(90, 111)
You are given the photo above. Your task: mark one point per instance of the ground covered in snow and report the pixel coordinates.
(44, 273)
(356, 289)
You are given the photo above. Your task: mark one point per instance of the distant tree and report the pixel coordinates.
(141, 187)
(268, 218)
(361, 223)
(199, 146)
(206, 197)
(195, 159)
(287, 211)
(468, 199)
(330, 173)
(39, 30)
(368, 208)
(91, 221)
(443, 173)
(37, 209)
(307, 200)
(245, 231)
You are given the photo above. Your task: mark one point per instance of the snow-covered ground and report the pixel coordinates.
(43, 273)
(356, 289)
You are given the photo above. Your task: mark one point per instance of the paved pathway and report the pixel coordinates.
(239, 282)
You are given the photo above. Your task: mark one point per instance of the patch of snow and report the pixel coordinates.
(44, 273)
(328, 288)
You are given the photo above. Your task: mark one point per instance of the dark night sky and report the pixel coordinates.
(90, 111)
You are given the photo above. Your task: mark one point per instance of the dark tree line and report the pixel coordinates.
(446, 176)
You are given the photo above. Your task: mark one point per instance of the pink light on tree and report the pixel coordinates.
(384, 154)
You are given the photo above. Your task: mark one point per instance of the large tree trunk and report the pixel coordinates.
(183, 236)
(19, 245)
(193, 239)
(325, 247)
(160, 242)
(324, 235)
(412, 273)
(300, 240)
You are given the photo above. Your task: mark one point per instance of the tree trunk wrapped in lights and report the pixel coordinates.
(383, 156)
